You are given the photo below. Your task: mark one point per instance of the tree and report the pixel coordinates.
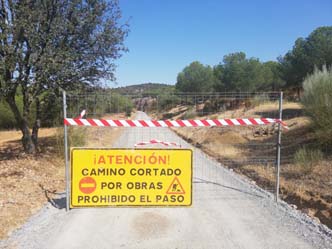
(218, 72)
(234, 71)
(237, 73)
(272, 76)
(48, 45)
(313, 51)
(195, 78)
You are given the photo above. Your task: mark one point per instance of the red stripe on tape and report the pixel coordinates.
(192, 122)
(168, 123)
(217, 122)
(180, 122)
(156, 123)
(92, 122)
(131, 123)
(117, 122)
(143, 123)
(241, 121)
(104, 122)
(65, 121)
(205, 123)
(264, 120)
(229, 122)
(78, 121)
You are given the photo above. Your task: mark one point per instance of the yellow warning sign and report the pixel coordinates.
(130, 177)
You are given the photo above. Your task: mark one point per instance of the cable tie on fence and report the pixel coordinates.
(155, 141)
(283, 124)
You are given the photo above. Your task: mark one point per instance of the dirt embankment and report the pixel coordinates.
(251, 151)
(27, 182)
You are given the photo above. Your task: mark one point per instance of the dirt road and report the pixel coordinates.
(227, 212)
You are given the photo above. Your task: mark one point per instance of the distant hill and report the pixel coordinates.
(145, 89)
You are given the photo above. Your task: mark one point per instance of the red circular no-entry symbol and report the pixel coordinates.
(87, 185)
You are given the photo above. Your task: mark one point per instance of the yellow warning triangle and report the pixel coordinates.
(175, 188)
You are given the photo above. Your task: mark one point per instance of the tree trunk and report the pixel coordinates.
(36, 126)
(27, 142)
(28, 145)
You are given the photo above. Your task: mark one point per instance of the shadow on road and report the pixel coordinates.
(202, 181)
(57, 202)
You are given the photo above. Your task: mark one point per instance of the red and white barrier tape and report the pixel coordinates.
(81, 114)
(172, 123)
(155, 141)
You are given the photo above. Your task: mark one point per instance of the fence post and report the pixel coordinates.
(66, 149)
(278, 149)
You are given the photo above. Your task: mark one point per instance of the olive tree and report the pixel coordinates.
(48, 45)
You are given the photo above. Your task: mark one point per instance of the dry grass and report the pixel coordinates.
(101, 137)
(233, 146)
(7, 136)
(227, 151)
(22, 179)
(25, 178)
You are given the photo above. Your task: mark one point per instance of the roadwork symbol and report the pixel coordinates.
(87, 185)
(175, 188)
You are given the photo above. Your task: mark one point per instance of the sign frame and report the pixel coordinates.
(71, 206)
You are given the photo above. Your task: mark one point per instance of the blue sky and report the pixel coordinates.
(167, 35)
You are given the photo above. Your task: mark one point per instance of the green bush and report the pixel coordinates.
(257, 100)
(191, 114)
(307, 158)
(167, 101)
(317, 101)
(119, 103)
(7, 120)
(210, 106)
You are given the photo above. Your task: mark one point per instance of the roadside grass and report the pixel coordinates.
(190, 114)
(24, 180)
(28, 182)
(307, 159)
(76, 138)
(306, 172)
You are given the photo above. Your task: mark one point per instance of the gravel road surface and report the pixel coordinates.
(227, 212)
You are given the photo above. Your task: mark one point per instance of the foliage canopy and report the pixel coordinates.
(48, 45)
(195, 78)
(307, 53)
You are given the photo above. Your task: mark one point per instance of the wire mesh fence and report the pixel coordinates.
(247, 150)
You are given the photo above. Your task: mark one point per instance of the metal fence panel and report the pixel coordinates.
(250, 151)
